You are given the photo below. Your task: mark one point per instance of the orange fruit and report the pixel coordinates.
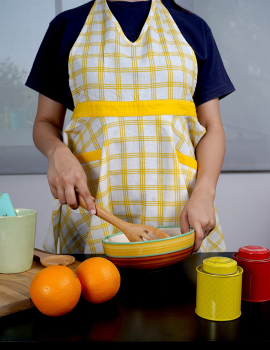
(100, 279)
(55, 290)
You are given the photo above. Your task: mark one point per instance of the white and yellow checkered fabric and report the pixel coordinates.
(134, 128)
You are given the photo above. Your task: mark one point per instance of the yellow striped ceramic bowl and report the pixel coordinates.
(149, 255)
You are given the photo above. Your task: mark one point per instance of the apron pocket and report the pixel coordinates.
(186, 160)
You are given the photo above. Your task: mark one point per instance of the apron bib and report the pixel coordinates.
(134, 129)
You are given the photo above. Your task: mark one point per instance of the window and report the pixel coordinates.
(20, 39)
(23, 26)
(241, 29)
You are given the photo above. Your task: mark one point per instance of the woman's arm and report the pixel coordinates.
(199, 211)
(65, 173)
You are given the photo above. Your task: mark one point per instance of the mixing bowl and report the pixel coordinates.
(149, 255)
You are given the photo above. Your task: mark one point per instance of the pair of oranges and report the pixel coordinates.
(56, 290)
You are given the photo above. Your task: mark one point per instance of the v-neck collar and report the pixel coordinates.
(144, 28)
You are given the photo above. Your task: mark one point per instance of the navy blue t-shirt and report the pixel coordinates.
(49, 74)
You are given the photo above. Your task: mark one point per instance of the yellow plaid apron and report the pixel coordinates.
(134, 128)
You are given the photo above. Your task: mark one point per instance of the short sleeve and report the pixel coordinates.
(49, 73)
(213, 80)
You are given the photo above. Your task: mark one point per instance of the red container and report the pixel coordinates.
(255, 262)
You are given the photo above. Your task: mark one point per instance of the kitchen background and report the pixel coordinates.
(241, 29)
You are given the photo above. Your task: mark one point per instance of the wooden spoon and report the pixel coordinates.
(48, 259)
(133, 232)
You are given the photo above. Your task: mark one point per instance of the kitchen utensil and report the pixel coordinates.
(52, 259)
(15, 287)
(149, 255)
(219, 286)
(134, 232)
(6, 207)
(255, 261)
(17, 241)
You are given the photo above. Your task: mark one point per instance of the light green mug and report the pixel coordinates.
(17, 241)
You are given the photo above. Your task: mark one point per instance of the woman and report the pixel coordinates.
(146, 139)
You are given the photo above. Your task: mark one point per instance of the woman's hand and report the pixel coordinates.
(65, 175)
(199, 213)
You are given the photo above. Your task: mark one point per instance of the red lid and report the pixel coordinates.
(253, 252)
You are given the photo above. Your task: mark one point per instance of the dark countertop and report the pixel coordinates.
(157, 306)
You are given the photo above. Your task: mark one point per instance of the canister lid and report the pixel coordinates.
(253, 252)
(219, 265)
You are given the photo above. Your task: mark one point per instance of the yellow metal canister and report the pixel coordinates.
(219, 288)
